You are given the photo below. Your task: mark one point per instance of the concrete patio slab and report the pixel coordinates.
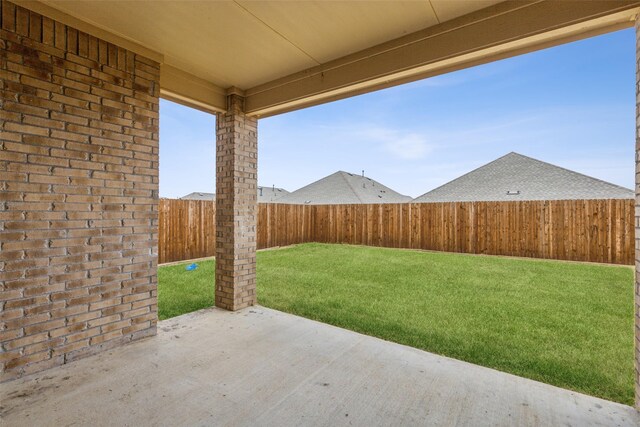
(263, 367)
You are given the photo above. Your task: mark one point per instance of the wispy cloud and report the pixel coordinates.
(408, 147)
(399, 144)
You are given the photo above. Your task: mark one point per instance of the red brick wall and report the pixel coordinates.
(78, 193)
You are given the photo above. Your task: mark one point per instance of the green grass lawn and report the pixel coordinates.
(565, 324)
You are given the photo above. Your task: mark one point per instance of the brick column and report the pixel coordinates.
(236, 206)
(637, 284)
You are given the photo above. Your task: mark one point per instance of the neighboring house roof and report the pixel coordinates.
(518, 177)
(344, 188)
(265, 195)
(271, 194)
(199, 196)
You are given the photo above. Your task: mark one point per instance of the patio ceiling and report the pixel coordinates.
(285, 55)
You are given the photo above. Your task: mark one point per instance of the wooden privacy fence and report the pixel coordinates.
(187, 229)
(579, 230)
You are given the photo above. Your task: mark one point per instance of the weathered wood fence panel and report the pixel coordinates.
(187, 229)
(580, 230)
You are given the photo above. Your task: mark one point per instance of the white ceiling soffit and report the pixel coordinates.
(290, 54)
(206, 46)
(217, 41)
(326, 30)
(446, 10)
(248, 43)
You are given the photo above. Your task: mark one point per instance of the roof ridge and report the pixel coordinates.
(314, 182)
(465, 174)
(577, 173)
(350, 186)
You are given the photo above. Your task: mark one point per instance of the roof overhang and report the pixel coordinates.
(505, 30)
(498, 31)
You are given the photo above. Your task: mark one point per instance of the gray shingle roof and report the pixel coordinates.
(518, 177)
(265, 195)
(199, 196)
(270, 194)
(344, 188)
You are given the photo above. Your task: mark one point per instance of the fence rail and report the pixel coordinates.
(579, 230)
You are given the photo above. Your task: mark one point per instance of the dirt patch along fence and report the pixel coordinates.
(578, 230)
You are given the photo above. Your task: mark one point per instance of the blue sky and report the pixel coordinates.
(571, 105)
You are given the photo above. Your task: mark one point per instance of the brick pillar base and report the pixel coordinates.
(236, 206)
